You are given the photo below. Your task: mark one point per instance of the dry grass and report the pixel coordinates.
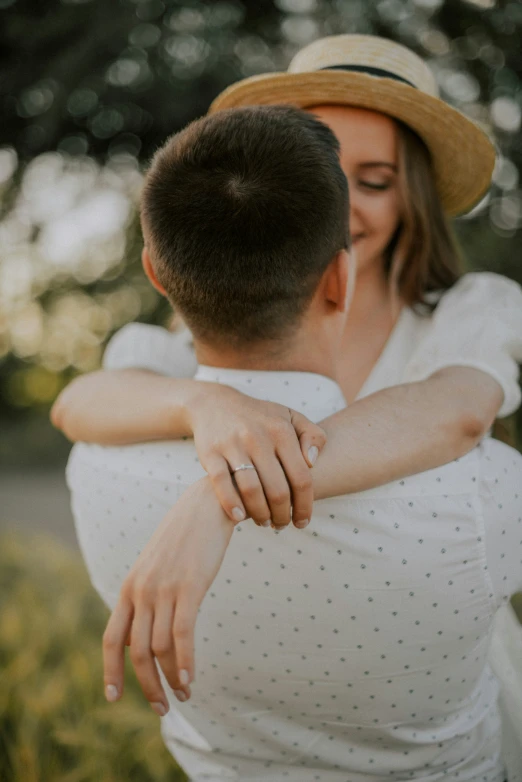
(55, 725)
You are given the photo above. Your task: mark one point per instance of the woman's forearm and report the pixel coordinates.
(386, 436)
(120, 407)
(405, 430)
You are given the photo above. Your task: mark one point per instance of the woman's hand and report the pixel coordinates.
(126, 406)
(231, 429)
(159, 600)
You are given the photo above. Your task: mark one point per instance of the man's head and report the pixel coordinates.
(243, 213)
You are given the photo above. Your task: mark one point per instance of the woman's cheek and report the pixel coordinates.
(387, 207)
(383, 215)
(386, 218)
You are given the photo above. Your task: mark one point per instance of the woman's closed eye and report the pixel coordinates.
(374, 185)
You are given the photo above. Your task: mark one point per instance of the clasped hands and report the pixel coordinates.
(159, 600)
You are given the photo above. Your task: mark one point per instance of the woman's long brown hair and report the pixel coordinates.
(429, 259)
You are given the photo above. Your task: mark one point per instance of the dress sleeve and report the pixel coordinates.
(477, 323)
(141, 346)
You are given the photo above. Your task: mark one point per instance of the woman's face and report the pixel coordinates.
(369, 160)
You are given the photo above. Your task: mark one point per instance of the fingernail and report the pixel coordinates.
(267, 523)
(184, 677)
(111, 693)
(159, 708)
(180, 695)
(313, 453)
(302, 524)
(238, 514)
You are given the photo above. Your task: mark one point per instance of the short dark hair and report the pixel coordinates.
(244, 210)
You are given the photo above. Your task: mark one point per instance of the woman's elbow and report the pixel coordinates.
(477, 399)
(57, 413)
(473, 427)
(462, 433)
(62, 416)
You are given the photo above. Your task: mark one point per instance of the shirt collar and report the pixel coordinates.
(313, 395)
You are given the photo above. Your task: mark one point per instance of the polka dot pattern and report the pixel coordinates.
(353, 651)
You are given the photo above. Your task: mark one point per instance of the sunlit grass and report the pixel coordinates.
(55, 725)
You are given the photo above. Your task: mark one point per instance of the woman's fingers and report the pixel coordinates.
(161, 595)
(312, 438)
(226, 492)
(240, 494)
(276, 488)
(298, 476)
(280, 488)
(164, 650)
(114, 637)
(143, 660)
(183, 634)
(250, 487)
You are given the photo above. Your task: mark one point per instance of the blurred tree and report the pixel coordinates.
(89, 89)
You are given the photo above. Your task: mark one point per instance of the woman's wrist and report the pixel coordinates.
(193, 399)
(178, 407)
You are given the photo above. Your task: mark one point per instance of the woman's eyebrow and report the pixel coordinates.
(379, 164)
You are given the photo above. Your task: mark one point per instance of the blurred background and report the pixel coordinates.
(88, 90)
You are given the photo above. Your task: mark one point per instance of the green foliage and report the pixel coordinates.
(55, 724)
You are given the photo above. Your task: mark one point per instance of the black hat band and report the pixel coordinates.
(370, 71)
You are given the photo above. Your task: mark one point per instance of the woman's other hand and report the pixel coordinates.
(159, 600)
(231, 429)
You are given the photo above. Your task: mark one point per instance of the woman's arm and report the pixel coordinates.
(124, 406)
(388, 435)
(367, 445)
(391, 434)
(141, 398)
(405, 429)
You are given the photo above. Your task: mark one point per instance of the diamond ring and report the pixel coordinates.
(244, 467)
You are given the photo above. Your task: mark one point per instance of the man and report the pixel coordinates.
(355, 649)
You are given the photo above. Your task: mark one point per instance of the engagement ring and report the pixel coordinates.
(244, 467)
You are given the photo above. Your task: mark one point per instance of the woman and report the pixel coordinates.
(467, 347)
(466, 351)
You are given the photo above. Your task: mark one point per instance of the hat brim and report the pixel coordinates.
(462, 155)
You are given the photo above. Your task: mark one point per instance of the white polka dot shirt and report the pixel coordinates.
(352, 651)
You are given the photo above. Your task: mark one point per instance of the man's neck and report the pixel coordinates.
(303, 354)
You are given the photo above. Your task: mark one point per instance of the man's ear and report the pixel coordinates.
(340, 280)
(151, 274)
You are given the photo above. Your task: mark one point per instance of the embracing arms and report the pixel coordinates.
(461, 376)
(388, 435)
(196, 530)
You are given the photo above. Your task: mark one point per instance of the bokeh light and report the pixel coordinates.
(80, 234)
(506, 114)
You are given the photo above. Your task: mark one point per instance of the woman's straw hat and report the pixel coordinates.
(381, 75)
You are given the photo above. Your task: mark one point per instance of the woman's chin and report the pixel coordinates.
(368, 256)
